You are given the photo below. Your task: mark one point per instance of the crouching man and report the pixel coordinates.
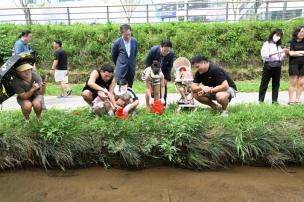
(98, 91)
(29, 87)
(217, 84)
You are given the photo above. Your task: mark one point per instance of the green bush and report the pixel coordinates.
(253, 134)
(230, 44)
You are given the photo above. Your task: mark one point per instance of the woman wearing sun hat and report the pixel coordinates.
(29, 87)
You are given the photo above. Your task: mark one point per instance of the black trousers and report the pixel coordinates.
(273, 73)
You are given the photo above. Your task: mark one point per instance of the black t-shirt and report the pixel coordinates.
(99, 81)
(296, 46)
(215, 76)
(62, 58)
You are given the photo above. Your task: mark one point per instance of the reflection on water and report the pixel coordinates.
(155, 184)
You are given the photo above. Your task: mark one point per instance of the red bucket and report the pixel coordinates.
(158, 107)
(119, 114)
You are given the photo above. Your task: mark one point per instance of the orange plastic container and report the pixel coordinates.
(158, 107)
(119, 114)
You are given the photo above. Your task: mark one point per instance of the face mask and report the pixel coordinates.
(276, 38)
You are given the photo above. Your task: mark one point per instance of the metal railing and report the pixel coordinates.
(198, 11)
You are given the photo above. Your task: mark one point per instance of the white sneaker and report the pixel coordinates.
(224, 113)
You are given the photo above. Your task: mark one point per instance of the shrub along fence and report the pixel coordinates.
(236, 46)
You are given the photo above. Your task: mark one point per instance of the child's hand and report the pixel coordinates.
(151, 101)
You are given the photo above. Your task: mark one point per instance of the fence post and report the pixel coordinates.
(187, 12)
(227, 12)
(256, 9)
(108, 14)
(147, 9)
(267, 10)
(69, 17)
(284, 11)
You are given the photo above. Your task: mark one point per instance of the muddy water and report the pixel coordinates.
(155, 184)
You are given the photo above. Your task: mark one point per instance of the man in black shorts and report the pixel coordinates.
(296, 66)
(217, 85)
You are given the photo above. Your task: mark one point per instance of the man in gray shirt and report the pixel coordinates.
(29, 87)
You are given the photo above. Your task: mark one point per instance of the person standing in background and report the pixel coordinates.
(272, 56)
(124, 53)
(164, 54)
(60, 68)
(22, 44)
(296, 66)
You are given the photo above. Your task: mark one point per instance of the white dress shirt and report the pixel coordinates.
(128, 46)
(271, 48)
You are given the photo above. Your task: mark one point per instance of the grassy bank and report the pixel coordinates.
(139, 87)
(271, 135)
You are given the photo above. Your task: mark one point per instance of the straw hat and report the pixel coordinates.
(24, 67)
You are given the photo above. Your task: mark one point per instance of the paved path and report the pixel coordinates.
(77, 101)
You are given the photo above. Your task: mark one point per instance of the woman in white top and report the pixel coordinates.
(272, 56)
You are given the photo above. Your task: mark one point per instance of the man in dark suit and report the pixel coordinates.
(164, 54)
(124, 52)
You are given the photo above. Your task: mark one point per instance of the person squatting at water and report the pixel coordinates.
(155, 84)
(125, 97)
(98, 91)
(217, 84)
(29, 87)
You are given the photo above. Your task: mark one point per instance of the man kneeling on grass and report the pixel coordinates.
(125, 97)
(29, 87)
(98, 91)
(217, 84)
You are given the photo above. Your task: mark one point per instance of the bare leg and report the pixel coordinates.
(223, 99)
(63, 88)
(205, 100)
(26, 107)
(182, 92)
(87, 96)
(37, 107)
(147, 102)
(299, 88)
(291, 89)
